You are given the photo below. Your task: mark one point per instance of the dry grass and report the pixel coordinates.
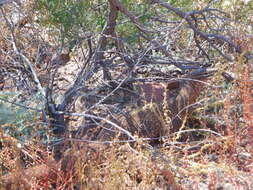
(201, 160)
(213, 162)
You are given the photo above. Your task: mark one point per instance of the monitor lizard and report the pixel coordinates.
(154, 109)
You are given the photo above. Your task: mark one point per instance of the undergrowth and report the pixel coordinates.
(213, 162)
(217, 154)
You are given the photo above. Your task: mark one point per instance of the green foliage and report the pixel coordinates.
(241, 10)
(17, 121)
(182, 3)
(71, 18)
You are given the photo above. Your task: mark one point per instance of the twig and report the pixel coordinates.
(27, 61)
(100, 118)
(203, 35)
(197, 130)
(20, 105)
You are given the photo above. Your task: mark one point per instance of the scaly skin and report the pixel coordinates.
(161, 108)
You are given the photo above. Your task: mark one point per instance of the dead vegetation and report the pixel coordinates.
(171, 109)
